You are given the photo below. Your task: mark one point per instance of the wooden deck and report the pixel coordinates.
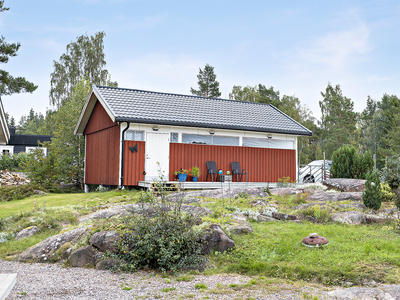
(190, 185)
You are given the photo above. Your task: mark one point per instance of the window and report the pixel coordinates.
(134, 135)
(174, 137)
(7, 150)
(210, 139)
(268, 143)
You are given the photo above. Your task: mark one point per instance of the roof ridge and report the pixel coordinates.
(182, 95)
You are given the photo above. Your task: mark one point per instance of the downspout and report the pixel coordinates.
(122, 156)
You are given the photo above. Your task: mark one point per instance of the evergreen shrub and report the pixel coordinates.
(12, 162)
(372, 196)
(347, 163)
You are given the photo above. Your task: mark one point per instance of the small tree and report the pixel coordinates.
(208, 86)
(372, 196)
(347, 163)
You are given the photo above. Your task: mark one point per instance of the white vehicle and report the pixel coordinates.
(315, 171)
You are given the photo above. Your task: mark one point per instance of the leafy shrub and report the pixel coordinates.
(285, 182)
(347, 163)
(9, 193)
(372, 196)
(387, 193)
(161, 237)
(12, 162)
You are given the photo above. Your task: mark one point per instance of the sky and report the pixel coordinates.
(295, 46)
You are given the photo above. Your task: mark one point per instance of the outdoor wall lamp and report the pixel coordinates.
(155, 128)
(270, 136)
(212, 132)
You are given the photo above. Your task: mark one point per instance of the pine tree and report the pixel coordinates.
(9, 84)
(208, 86)
(372, 196)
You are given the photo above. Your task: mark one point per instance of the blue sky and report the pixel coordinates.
(294, 46)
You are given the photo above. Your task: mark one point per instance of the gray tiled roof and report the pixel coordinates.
(182, 110)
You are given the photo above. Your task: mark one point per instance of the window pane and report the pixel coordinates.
(225, 140)
(280, 144)
(139, 136)
(254, 142)
(174, 137)
(196, 139)
(130, 135)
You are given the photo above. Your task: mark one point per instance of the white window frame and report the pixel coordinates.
(9, 148)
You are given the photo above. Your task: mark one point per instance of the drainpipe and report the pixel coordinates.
(122, 156)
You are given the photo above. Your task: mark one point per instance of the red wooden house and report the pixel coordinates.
(128, 131)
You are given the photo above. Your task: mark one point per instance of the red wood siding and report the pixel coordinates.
(99, 120)
(262, 164)
(134, 163)
(102, 148)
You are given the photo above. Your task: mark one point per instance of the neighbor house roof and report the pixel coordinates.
(137, 106)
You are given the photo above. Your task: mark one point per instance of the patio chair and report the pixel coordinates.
(238, 171)
(212, 169)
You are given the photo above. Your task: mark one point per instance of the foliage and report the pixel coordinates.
(338, 121)
(43, 170)
(208, 86)
(12, 162)
(347, 163)
(164, 239)
(321, 215)
(83, 58)
(285, 181)
(17, 192)
(195, 172)
(9, 84)
(183, 171)
(387, 193)
(372, 196)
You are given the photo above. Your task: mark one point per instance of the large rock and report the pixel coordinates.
(214, 239)
(116, 211)
(224, 193)
(239, 227)
(105, 241)
(84, 257)
(345, 184)
(332, 196)
(263, 218)
(27, 232)
(367, 293)
(348, 217)
(108, 264)
(47, 250)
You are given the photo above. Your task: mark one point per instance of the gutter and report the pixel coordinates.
(122, 155)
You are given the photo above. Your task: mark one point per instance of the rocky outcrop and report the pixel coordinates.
(105, 241)
(323, 204)
(84, 257)
(356, 217)
(345, 184)
(27, 232)
(108, 264)
(117, 211)
(239, 227)
(47, 250)
(214, 239)
(224, 193)
(263, 218)
(332, 196)
(387, 292)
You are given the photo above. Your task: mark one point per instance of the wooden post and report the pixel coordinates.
(374, 161)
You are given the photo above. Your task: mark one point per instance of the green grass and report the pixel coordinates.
(61, 200)
(353, 253)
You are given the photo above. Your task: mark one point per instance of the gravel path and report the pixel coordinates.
(52, 281)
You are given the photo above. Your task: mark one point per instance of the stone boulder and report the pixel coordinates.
(263, 218)
(47, 250)
(105, 241)
(214, 239)
(27, 232)
(224, 193)
(108, 264)
(239, 227)
(366, 293)
(345, 184)
(348, 217)
(332, 196)
(116, 211)
(84, 257)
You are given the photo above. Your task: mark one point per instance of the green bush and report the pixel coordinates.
(12, 162)
(387, 193)
(160, 236)
(9, 193)
(347, 163)
(372, 196)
